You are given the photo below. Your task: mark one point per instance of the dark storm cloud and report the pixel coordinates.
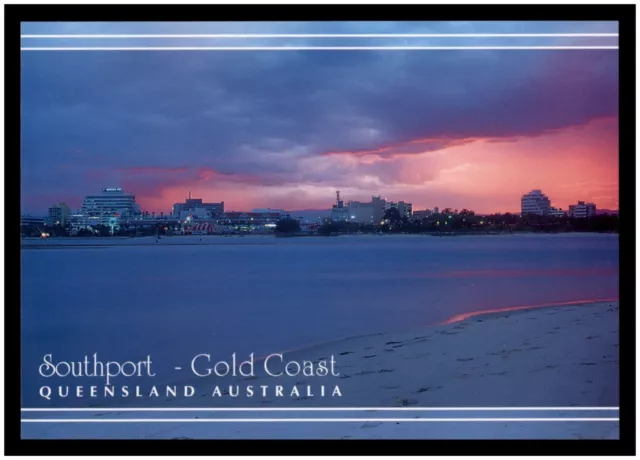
(254, 116)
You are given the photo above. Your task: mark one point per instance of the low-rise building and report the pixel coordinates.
(417, 215)
(192, 205)
(582, 210)
(557, 212)
(194, 213)
(360, 212)
(339, 212)
(28, 220)
(248, 220)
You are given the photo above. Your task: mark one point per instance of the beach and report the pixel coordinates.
(557, 356)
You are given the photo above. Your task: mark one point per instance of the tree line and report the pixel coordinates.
(448, 221)
(466, 221)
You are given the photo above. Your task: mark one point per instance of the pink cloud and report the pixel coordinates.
(487, 175)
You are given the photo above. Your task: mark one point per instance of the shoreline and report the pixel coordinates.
(478, 315)
(258, 239)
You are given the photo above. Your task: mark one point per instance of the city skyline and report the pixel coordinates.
(193, 199)
(458, 129)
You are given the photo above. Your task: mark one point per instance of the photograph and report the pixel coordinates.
(319, 230)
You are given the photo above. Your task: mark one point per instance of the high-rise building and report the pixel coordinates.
(535, 202)
(404, 209)
(110, 201)
(104, 207)
(192, 205)
(59, 214)
(378, 208)
(408, 209)
(582, 210)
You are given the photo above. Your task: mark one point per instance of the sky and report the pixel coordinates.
(287, 128)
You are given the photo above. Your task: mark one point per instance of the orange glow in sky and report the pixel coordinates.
(575, 163)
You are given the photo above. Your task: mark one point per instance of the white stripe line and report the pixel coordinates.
(298, 420)
(310, 409)
(309, 48)
(81, 36)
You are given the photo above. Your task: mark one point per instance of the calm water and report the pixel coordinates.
(265, 294)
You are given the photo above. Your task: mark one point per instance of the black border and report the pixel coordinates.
(624, 14)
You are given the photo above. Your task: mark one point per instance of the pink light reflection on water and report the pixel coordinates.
(463, 316)
(498, 273)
